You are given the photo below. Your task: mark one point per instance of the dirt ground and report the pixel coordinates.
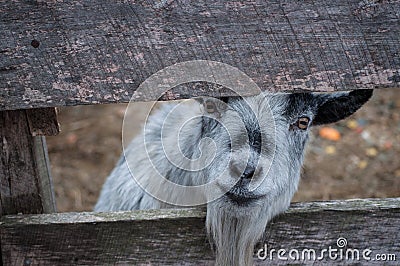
(363, 162)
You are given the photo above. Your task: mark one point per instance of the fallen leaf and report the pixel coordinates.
(362, 164)
(352, 124)
(372, 152)
(329, 133)
(330, 149)
(388, 145)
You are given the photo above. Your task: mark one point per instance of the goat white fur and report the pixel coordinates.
(258, 145)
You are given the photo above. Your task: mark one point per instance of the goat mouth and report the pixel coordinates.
(242, 197)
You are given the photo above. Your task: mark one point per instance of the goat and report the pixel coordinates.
(250, 148)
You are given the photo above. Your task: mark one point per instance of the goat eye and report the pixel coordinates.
(302, 123)
(210, 107)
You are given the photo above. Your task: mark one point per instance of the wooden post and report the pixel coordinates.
(24, 168)
(25, 180)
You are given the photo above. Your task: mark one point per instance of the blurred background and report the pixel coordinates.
(355, 158)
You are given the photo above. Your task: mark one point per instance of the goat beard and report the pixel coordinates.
(234, 231)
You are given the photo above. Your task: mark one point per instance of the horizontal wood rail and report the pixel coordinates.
(171, 236)
(57, 53)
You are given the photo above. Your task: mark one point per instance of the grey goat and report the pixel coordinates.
(252, 147)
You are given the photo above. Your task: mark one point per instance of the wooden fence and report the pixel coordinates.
(61, 53)
(178, 236)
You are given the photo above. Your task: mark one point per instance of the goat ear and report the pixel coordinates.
(213, 106)
(336, 106)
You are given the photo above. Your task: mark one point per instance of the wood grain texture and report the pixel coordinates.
(43, 121)
(24, 169)
(45, 181)
(56, 53)
(178, 236)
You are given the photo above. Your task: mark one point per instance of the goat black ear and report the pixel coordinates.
(224, 99)
(336, 106)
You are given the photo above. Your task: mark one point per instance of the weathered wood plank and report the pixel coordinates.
(56, 53)
(25, 179)
(178, 236)
(43, 121)
(24, 169)
(45, 181)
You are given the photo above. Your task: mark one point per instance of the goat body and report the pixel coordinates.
(240, 157)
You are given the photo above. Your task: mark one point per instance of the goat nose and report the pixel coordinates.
(248, 173)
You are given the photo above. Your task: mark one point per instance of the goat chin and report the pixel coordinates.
(234, 232)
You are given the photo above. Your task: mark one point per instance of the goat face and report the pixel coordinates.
(260, 146)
